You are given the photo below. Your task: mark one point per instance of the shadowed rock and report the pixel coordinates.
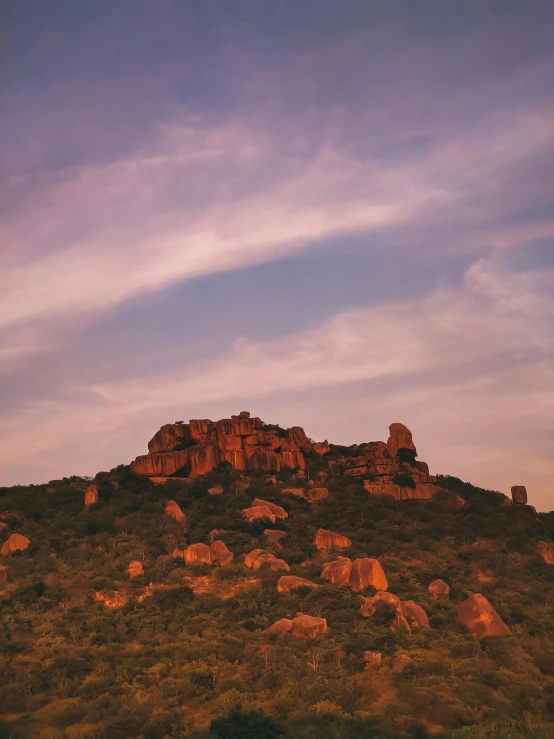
(546, 550)
(199, 553)
(274, 536)
(91, 496)
(414, 615)
(308, 627)
(338, 571)
(287, 583)
(277, 511)
(258, 513)
(439, 589)
(372, 659)
(519, 494)
(326, 540)
(135, 569)
(173, 510)
(221, 552)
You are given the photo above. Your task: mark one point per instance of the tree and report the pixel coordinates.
(239, 724)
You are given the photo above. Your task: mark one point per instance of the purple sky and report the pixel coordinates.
(332, 214)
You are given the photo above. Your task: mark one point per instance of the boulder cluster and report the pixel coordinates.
(303, 626)
(195, 448)
(408, 615)
(258, 557)
(359, 574)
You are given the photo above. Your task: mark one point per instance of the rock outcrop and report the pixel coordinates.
(372, 660)
(325, 540)
(480, 617)
(546, 550)
(400, 662)
(16, 543)
(314, 495)
(519, 494)
(135, 569)
(302, 626)
(408, 615)
(359, 574)
(258, 557)
(439, 589)
(277, 510)
(214, 533)
(245, 443)
(274, 536)
(173, 510)
(199, 553)
(221, 552)
(286, 583)
(91, 496)
(414, 615)
(258, 513)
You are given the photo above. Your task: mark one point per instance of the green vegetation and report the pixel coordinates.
(174, 659)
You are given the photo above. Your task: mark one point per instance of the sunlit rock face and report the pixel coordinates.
(480, 617)
(519, 494)
(195, 448)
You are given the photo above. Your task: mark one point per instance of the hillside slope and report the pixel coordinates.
(122, 618)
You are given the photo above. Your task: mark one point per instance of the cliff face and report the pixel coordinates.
(245, 443)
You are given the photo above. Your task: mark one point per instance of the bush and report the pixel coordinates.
(239, 724)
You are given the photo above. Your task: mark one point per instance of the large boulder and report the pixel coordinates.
(519, 494)
(252, 556)
(369, 605)
(372, 660)
(274, 536)
(414, 615)
(221, 552)
(321, 447)
(338, 571)
(91, 496)
(365, 572)
(439, 589)
(16, 543)
(274, 562)
(400, 438)
(286, 583)
(326, 540)
(400, 662)
(258, 513)
(308, 627)
(199, 553)
(400, 623)
(173, 510)
(314, 495)
(169, 437)
(546, 550)
(297, 438)
(280, 626)
(480, 617)
(277, 510)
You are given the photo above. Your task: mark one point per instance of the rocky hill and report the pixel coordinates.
(242, 580)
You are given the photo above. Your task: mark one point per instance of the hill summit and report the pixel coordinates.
(244, 580)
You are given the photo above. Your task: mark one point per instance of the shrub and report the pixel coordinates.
(239, 724)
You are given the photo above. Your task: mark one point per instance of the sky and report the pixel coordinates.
(337, 215)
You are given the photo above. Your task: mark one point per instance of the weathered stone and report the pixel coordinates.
(174, 511)
(91, 496)
(221, 552)
(400, 662)
(369, 605)
(314, 495)
(135, 569)
(326, 540)
(280, 626)
(203, 431)
(16, 543)
(274, 563)
(176, 553)
(400, 623)
(400, 438)
(372, 659)
(264, 459)
(308, 627)
(199, 553)
(277, 510)
(215, 490)
(214, 533)
(297, 436)
(297, 492)
(252, 556)
(519, 494)
(286, 583)
(293, 459)
(546, 550)
(258, 513)
(169, 437)
(338, 571)
(237, 460)
(414, 615)
(366, 571)
(480, 617)
(439, 589)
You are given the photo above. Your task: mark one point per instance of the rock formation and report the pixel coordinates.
(274, 536)
(439, 589)
(16, 543)
(408, 615)
(308, 627)
(215, 490)
(480, 617)
(321, 447)
(258, 557)
(174, 511)
(286, 583)
(326, 540)
(245, 443)
(214, 533)
(280, 626)
(91, 496)
(314, 495)
(414, 615)
(135, 569)
(199, 553)
(372, 659)
(277, 511)
(400, 623)
(221, 552)
(359, 574)
(519, 494)
(258, 513)
(252, 556)
(546, 550)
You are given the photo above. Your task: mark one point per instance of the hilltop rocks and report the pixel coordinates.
(359, 574)
(280, 626)
(400, 438)
(258, 513)
(400, 623)
(91, 496)
(287, 583)
(135, 569)
(214, 533)
(326, 540)
(173, 510)
(519, 494)
(221, 552)
(16, 543)
(546, 550)
(197, 447)
(439, 589)
(321, 447)
(480, 617)
(277, 511)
